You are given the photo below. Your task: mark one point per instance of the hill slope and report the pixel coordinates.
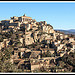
(71, 31)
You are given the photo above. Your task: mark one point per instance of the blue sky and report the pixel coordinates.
(59, 15)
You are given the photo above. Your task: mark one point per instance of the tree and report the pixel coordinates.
(5, 64)
(48, 53)
(44, 55)
(42, 69)
(7, 54)
(1, 38)
(13, 36)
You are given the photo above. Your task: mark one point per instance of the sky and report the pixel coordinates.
(61, 15)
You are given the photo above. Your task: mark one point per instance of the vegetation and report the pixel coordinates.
(67, 61)
(46, 54)
(5, 64)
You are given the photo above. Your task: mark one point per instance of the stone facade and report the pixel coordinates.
(28, 39)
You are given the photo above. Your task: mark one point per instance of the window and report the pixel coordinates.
(28, 38)
(23, 19)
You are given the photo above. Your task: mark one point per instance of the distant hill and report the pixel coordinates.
(71, 31)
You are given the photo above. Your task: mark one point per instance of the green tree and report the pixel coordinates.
(5, 64)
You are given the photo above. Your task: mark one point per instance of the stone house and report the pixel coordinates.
(36, 64)
(60, 47)
(11, 26)
(71, 39)
(21, 40)
(47, 37)
(62, 53)
(6, 42)
(47, 61)
(24, 19)
(48, 29)
(34, 24)
(55, 43)
(59, 41)
(54, 37)
(35, 55)
(60, 70)
(14, 18)
(61, 35)
(28, 39)
(33, 67)
(48, 41)
(57, 33)
(43, 23)
(65, 36)
(19, 53)
(44, 50)
(73, 44)
(15, 24)
(44, 36)
(34, 28)
(7, 30)
(52, 51)
(16, 21)
(35, 35)
(5, 22)
(15, 55)
(1, 45)
(29, 26)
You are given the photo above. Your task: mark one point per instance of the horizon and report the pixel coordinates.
(59, 14)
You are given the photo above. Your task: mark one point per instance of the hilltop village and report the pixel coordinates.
(35, 46)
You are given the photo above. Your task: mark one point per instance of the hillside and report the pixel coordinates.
(71, 31)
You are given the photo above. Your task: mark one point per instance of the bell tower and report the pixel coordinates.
(24, 15)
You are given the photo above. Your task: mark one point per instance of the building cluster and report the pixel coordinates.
(34, 44)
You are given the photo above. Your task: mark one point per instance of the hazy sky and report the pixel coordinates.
(59, 15)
